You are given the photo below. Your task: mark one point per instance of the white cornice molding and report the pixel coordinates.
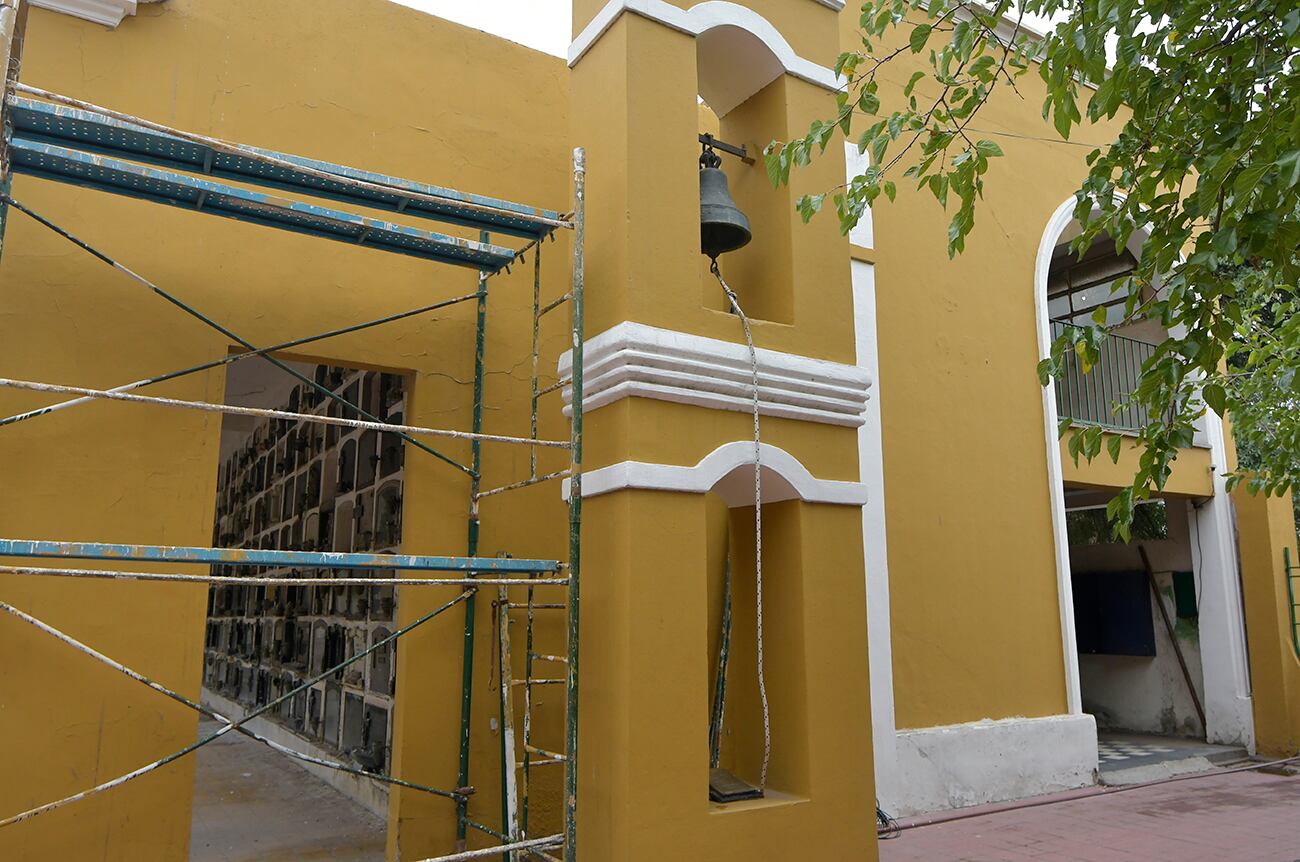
(701, 18)
(107, 12)
(1008, 26)
(728, 471)
(636, 360)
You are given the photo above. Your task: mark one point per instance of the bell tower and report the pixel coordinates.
(679, 690)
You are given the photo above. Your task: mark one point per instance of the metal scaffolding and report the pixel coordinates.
(65, 140)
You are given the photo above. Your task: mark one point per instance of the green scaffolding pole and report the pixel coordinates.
(476, 458)
(575, 511)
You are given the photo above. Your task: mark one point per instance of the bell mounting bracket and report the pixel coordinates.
(710, 159)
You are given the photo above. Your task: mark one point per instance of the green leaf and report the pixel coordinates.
(911, 83)
(1225, 241)
(1046, 368)
(987, 149)
(1290, 165)
(878, 149)
(809, 205)
(920, 34)
(847, 63)
(1249, 178)
(1113, 444)
(982, 68)
(1216, 398)
(772, 161)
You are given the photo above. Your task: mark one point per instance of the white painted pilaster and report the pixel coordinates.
(1224, 665)
(872, 473)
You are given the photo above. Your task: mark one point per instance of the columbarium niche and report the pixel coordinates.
(297, 486)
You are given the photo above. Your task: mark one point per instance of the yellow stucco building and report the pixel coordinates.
(931, 595)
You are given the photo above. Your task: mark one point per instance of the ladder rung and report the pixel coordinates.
(554, 304)
(549, 755)
(540, 855)
(518, 606)
(532, 763)
(544, 657)
(539, 681)
(559, 384)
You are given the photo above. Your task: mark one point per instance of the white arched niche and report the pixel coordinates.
(729, 472)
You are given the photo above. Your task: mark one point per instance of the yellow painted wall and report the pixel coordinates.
(1192, 471)
(1265, 526)
(973, 589)
(367, 83)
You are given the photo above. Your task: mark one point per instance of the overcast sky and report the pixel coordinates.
(540, 24)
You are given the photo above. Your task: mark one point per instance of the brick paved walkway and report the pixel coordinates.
(1245, 817)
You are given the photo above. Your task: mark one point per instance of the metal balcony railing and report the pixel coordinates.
(1098, 398)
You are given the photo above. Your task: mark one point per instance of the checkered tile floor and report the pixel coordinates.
(1114, 751)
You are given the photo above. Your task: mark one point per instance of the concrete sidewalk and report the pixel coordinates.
(1244, 817)
(252, 804)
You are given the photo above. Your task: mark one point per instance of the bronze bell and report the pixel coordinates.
(723, 227)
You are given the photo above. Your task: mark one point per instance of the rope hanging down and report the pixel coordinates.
(758, 518)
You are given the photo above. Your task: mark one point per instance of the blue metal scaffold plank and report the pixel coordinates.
(256, 557)
(52, 162)
(84, 130)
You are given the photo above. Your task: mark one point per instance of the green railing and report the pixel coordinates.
(1290, 574)
(1099, 397)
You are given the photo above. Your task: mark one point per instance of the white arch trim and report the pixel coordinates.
(728, 470)
(701, 18)
(1059, 221)
(1056, 226)
(1226, 669)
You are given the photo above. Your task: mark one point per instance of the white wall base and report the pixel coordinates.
(371, 794)
(960, 765)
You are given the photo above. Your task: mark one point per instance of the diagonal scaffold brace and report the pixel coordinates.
(212, 324)
(210, 713)
(233, 726)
